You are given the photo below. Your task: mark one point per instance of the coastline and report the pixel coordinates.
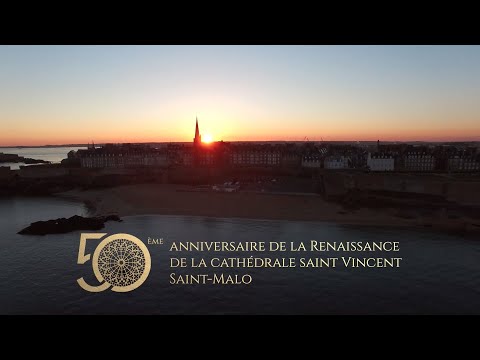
(180, 200)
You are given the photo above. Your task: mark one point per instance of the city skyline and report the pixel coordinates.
(76, 94)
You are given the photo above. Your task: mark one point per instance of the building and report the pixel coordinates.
(254, 155)
(179, 154)
(291, 156)
(419, 161)
(464, 163)
(290, 159)
(344, 156)
(213, 154)
(462, 159)
(311, 161)
(122, 155)
(336, 162)
(207, 154)
(380, 162)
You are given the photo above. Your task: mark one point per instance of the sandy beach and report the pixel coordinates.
(185, 200)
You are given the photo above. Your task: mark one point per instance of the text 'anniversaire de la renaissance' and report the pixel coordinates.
(262, 254)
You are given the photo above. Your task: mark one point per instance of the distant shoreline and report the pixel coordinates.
(160, 199)
(43, 146)
(261, 141)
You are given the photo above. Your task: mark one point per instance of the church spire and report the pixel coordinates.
(198, 138)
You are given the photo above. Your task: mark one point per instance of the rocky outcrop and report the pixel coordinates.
(34, 161)
(63, 225)
(14, 158)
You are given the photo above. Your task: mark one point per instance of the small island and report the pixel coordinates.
(63, 225)
(14, 158)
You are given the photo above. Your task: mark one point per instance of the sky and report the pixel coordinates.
(79, 94)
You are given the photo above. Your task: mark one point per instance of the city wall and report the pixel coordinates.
(41, 171)
(454, 188)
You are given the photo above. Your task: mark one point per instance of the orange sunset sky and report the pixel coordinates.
(79, 94)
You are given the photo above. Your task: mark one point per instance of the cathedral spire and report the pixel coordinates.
(198, 138)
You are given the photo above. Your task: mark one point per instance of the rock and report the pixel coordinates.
(14, 158)
(35, 161)
(63, 225)
(112, 218)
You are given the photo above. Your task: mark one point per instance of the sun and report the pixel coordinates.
(207, 138)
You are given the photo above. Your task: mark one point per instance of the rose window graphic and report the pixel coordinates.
(120, 261)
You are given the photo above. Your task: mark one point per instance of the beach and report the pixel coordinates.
(166, 199)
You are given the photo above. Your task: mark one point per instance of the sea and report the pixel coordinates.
(439, 273)
(52, 154)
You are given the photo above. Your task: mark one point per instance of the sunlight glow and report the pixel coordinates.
(207, 138)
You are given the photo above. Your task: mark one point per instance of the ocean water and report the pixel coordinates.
(439, 273)
(54, 154)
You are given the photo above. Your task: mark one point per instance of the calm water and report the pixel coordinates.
(439, 273)
(55, 155)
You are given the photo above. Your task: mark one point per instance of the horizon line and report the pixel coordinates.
(233, 141)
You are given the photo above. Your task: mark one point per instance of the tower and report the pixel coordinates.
(197, 140)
